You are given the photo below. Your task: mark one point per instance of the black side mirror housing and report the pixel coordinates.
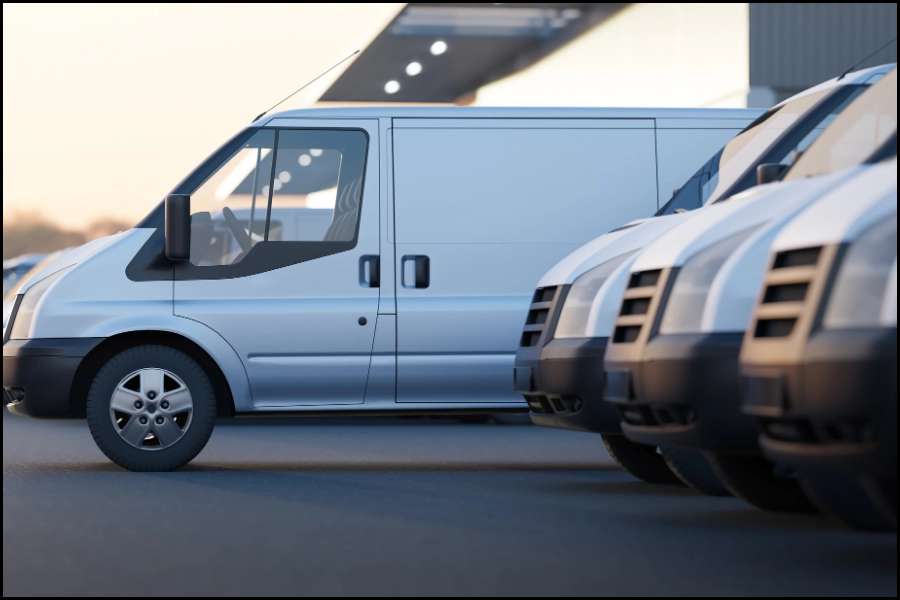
(178, 227)
(769, 172)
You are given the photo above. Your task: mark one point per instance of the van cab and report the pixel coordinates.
(820, 367)
(672, 364)
(337, 260)
(576, 302)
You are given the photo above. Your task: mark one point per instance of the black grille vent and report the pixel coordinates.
(774, 328)
(642, 287)
(804, 257)
(786, 291)
(538, 315)
(815, 432)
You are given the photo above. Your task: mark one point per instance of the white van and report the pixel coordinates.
(819, 360)
(576, 302)
(377, 259)
(672, 364)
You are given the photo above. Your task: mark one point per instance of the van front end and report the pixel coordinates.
(41, 360)
(38, 375)
(561, 378)
(820, 376)
(835, 409)
(676, 389)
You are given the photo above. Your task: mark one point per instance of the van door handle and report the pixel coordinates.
(370, 270)
(415, 271)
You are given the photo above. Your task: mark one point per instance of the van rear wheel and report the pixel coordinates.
(758, 481)
(642, 461)
(151, 408)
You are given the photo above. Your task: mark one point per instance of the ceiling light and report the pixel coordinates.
(413, 68)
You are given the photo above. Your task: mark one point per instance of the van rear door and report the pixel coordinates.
(284, 260)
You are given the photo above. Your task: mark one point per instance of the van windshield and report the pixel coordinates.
(727, 167)
(855, 135)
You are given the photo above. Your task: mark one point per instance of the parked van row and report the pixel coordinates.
(360, 260)
(706, 347)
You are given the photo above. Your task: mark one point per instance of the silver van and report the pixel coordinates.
(356, 260)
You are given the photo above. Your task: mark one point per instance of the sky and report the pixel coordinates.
(107, 107)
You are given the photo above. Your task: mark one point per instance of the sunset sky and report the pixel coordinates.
(106, 107)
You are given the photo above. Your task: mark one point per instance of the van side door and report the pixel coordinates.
(483, 208)
(285, 258)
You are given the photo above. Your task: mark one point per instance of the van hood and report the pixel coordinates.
(627, 238)
(747, 210)
(833, 220)
(64, 259)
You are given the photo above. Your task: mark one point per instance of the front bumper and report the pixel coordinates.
(562, 381)
(834, 410)
(38, 374)
(684, 391)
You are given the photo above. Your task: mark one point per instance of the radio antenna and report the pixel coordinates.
(309, 83)
(867, 57)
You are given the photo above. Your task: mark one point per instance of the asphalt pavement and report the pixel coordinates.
(398, 507)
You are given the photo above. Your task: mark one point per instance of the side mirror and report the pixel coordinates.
(178, 227)
(769, 172)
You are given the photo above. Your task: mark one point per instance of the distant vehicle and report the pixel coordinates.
(341, 260)
(15, 268)
(672, 366)
(820, 367)
(576, 303)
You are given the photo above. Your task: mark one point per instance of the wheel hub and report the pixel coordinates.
(151, 408)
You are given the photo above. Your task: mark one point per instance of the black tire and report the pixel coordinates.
(194, 436)
(848, 500)
(693, 468)
(642, 461)
(756, 480)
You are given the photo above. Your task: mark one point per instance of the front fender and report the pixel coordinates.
(219, 350)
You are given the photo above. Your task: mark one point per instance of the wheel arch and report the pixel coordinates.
(84, 375)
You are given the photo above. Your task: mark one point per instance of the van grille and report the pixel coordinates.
(785, 292)
(538, 315)
(807, 431)
(633, 315)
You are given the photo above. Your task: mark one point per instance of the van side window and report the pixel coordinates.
(317, 186)
(287, 185)
(228, 210)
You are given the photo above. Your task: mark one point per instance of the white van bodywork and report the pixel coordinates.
(490, 197)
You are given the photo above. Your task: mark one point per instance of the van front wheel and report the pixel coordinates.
(642, 461)
(151, 408)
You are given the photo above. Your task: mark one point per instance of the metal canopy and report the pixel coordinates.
(481, 42)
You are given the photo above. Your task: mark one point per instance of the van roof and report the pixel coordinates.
(479, 112)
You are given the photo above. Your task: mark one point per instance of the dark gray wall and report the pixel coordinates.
(795, 45)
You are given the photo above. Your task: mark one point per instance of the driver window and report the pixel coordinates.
(228, 211)
(317, 185)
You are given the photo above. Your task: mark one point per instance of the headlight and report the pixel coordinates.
(22, 314)
(862, 278)
(683, 312)
(577, 307)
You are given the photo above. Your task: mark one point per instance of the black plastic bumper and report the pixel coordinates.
(38, 374)
(685, 392)
(562, 382)
(835, 410)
